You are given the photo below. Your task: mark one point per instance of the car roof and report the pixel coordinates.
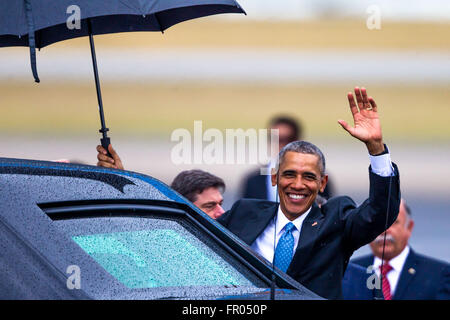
(84, 183)
(26, 186)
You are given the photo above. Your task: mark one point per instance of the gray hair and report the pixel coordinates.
(303, 147)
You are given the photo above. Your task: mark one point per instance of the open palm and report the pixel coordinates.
(367, 127)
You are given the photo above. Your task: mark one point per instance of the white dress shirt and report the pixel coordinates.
(382, 165)
(264, 244)
(397, 266)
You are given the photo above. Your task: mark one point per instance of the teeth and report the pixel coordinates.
(296, 196)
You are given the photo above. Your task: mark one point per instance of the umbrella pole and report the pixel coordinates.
(105, 141)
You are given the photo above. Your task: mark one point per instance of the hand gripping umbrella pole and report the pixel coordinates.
(105, 140)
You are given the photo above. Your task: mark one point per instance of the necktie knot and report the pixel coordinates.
(289, 227)
(385, 268)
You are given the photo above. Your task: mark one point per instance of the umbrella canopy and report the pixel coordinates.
(38, 23)
(48, 19)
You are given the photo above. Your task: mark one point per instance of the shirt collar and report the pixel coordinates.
(282, 221)
(396, 262)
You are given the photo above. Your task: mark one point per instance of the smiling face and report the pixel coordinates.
(299, 182)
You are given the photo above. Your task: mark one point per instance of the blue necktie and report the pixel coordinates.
(285, 248)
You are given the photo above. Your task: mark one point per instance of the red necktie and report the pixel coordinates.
(385, 282)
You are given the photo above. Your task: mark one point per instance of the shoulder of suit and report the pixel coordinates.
(339, 199)
(354, 273)
(430, 262)
(262, 204)
(364, 261)
(354, 267)
(344, 202)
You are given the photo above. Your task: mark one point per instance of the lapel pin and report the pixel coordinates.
(314, 224)
(411, 270)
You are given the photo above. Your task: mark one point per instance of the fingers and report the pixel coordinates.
(115, 156)
(112, 151)
(359, 98)
(373, 104)
(103, 158)
(351, 102)
(364, 102)
(106, 165)
(366, 105)
(100, 149)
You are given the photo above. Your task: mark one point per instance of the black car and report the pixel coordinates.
(82, 232)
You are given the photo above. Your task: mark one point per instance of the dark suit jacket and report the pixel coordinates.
(422, 278)
(354, 284)
(255, 187)
(325, 247)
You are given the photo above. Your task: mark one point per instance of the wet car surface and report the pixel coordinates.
(83, 232)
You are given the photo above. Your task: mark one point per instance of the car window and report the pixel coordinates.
(158, 252)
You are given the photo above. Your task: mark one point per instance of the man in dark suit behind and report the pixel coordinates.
(411, 276)
(313, 245)
(359, 283)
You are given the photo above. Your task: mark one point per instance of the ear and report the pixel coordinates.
(323, 182)
(410, 225)
(274, 180)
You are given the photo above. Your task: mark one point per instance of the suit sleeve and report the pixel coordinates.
(364, 223)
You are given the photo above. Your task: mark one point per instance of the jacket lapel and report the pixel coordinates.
(407, 274)
(308, 236)
(257, 223)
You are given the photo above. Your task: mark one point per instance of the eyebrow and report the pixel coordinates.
(211, 203)
(295, 172)
(310, 174)
(289, 171)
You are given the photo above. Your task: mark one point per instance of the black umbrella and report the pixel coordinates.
(38, 23)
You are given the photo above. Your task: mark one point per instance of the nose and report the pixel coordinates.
(389, 230)
(297, 183)
(218, 211)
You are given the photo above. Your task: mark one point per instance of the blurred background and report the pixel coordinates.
(286, 56)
